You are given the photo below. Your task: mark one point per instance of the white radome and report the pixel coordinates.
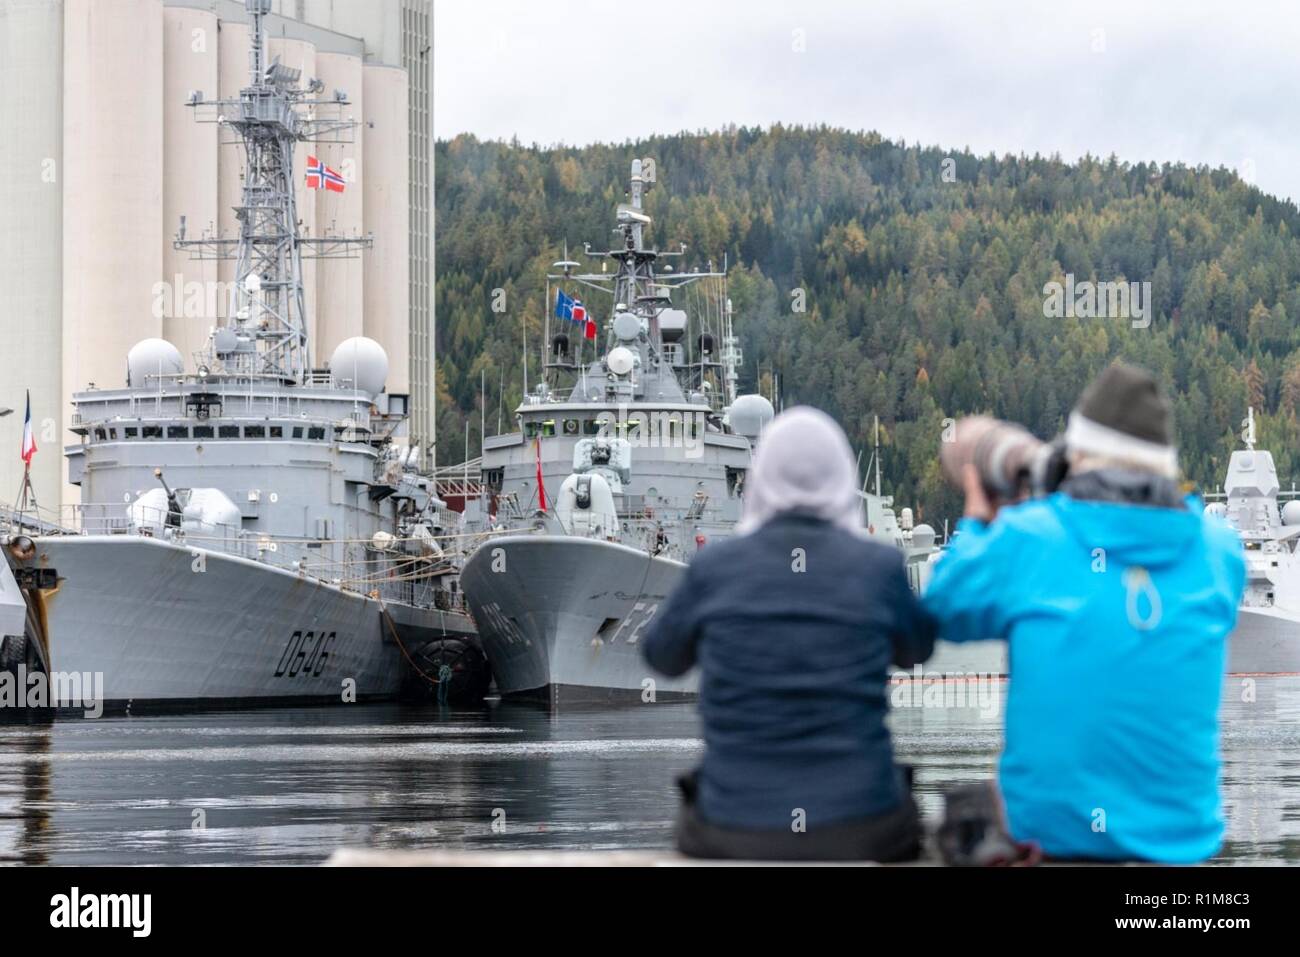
(620, 360)
(152, 357)
(363, 361)
(749, 415)
(1291, 513)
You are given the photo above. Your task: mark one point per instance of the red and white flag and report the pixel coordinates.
(29, 440)
(321, 176)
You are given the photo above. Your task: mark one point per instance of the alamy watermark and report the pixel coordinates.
(956, 689)
(1098, 300)
(61, 689)
(656, 428)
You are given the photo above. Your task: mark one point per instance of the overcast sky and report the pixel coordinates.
(1145, 80)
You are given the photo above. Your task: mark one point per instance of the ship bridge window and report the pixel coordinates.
(228, 431)
(277, 432)
(178, 432)
(297, 431)
(131, 432)
(203, 431)
(152, 431)
(548, 427)
(254, 431)
(316, 432)
(591, 427)
(101, 434)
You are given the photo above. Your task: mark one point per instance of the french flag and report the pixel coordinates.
(29, 440)
(319, 175)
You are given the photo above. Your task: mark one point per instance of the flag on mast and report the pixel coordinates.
(321, 176)
(29, 440)
(541, 486)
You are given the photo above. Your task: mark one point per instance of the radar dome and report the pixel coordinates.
(923, 536)
(361, 361)
(620, 360)
(749, 415)
(152, 357)
(1217, 509)
(626, 326)
(1291, 513)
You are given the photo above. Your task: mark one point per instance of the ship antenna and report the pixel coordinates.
(1249, 435)
(266, 330)
(876, 456)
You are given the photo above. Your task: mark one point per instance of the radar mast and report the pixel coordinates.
(265, 329)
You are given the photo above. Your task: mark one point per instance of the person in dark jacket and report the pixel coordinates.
(794, 624)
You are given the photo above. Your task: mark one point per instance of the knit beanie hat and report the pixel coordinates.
(1123, 415)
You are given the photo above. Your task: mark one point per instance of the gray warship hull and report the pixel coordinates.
(178, 625)
(1266, 641)
(561, 618)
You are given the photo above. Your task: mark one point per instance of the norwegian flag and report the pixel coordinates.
(29, 440)
(319, 175)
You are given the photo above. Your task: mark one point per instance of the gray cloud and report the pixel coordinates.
(1192, 82)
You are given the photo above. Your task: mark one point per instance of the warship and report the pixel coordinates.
(626, 461)
(256, 530)
(1267, 637)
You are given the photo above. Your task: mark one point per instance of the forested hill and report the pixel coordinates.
(923, 272)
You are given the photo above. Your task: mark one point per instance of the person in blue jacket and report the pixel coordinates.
(1116, 595)
(793, 625)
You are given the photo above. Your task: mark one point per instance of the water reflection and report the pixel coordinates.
(289, 786)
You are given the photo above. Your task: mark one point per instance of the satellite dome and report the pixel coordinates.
(620, 360)
(750, 414)
(1291, 513)
(152, 357)
(627, 326)
(1217, 509)
(361, 361)
(923, 536)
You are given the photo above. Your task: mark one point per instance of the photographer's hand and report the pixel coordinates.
(978, 505)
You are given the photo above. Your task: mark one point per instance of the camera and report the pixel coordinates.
(1012, 463)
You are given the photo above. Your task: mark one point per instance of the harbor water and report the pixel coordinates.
(290, 786)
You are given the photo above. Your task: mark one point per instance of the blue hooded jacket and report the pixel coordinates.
(1117, 617)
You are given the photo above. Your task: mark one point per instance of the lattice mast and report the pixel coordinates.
(265, 329)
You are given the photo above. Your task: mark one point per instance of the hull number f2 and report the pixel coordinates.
(306, 654)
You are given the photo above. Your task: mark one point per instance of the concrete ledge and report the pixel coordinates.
(359, 857)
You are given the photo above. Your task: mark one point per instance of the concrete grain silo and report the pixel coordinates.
(387, 217)
(31, 245)
(339, 282)
(232, 77)
(112, 188)
(190, 61)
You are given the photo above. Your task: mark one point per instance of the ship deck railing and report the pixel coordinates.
(390, 574)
